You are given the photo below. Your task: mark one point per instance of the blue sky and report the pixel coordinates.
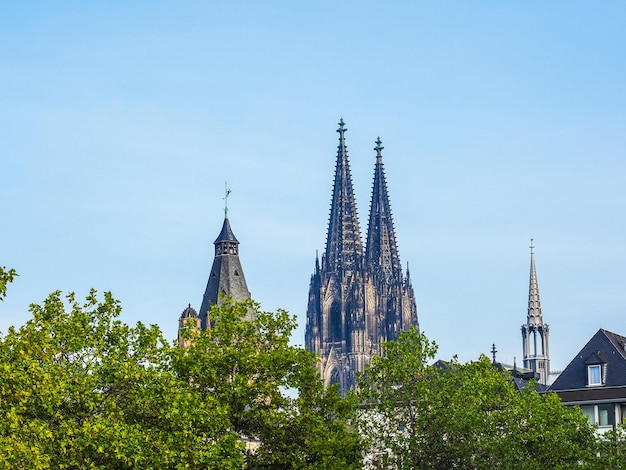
(501, 121)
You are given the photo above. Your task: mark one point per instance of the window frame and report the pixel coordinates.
(592, 375)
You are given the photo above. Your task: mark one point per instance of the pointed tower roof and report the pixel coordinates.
(534, 316)
(381, 249)
(226, 235)
(226, 277)
(344, 248)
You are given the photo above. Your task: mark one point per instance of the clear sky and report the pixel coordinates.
(501, 121)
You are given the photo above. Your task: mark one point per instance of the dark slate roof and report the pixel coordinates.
(596, 358)
(521, 377)
(521, 383)
(226, 235)
(603, 348)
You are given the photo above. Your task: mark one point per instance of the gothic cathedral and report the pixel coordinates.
(358, 297)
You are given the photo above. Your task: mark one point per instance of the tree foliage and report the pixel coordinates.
(467, 416)
(612, 449)
(81, 389)
(248, 367)
(6, 277)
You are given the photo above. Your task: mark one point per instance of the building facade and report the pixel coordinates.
(358, 296)
(595, 380)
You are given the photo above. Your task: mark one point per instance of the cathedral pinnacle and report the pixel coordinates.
(379, 148)
(342, 138)
(342, 128)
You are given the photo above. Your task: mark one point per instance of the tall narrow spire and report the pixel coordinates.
(534, 303)
(344, 248)
(381, 249)
(535, 333)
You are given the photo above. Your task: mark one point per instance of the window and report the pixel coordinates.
(589, 412)
(594, 375)
(603, 415)
(606, 415)
(335, 333)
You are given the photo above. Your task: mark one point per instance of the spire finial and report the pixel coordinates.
(378, 147)
(532, 247)
(226, 193)
(342, 128)
(493, 352)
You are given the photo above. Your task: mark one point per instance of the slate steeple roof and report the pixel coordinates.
(226, 277)
(226, 235)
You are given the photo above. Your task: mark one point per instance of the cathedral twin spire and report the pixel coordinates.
(358, 298)
(344, 248)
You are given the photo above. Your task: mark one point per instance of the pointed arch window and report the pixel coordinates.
(335, 327)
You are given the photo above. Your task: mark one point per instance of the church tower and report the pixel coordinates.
(535, 332)
(357, 299)
(226, 278)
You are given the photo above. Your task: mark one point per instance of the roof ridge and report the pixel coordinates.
(618, 341)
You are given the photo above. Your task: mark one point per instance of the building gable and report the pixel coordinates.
(604, 349)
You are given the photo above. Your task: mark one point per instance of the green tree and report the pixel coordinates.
(272, 392)
(81, 389)
(466, 416)
(612, 449)
(6, 277)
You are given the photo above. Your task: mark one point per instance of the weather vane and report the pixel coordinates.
(226, 193)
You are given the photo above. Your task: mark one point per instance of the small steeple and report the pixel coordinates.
(189, 319)
(535, 333)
